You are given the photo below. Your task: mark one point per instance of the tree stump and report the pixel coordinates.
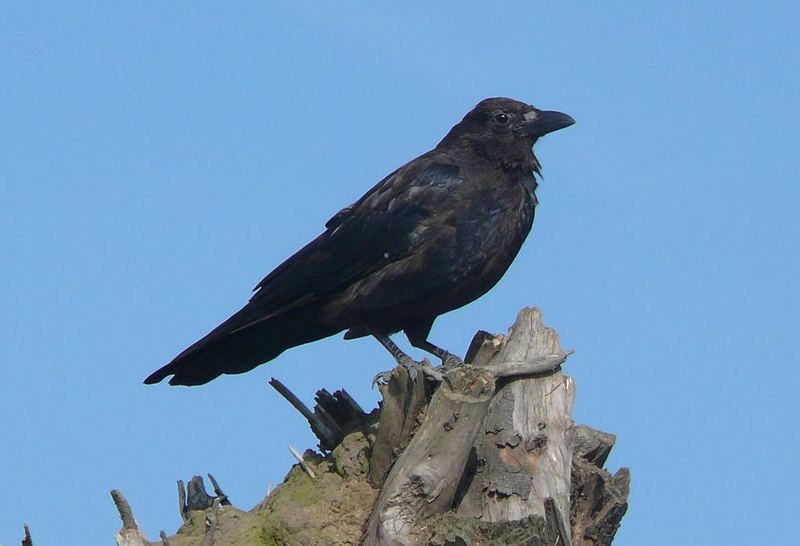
(487, 456)
(509, 411)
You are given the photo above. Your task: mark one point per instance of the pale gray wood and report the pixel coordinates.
(130, 534)
(425, 479)
(525, 451)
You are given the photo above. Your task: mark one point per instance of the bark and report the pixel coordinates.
(599, 500)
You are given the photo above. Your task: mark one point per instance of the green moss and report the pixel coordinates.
(275, 533)
(302, 490)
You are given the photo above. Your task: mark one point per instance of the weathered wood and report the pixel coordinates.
(599, 500)
(332, 415)
(454, 530)
(324, 429)
(553, 514)
(592, 445)
(130, 534)
(27, 541)
(344, 404)
(299, 458)
(197, 498)
(223, 498)
(404, 398)
(484, 454)
(182, 500)
(481, 341)
(343, 410)
(525, 451)
(164, 539)
(425, 479)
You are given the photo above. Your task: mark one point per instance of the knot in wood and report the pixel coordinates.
(536, 443)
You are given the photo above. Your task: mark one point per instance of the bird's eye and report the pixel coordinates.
(502, 117)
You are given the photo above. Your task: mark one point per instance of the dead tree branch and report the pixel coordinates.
(27, 541)
(130, 534)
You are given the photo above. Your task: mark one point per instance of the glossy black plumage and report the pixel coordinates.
(432, 236)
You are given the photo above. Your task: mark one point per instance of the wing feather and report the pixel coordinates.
(378, 229)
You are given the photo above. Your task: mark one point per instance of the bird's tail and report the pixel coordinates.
(233, 349)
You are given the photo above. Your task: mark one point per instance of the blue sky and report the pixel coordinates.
(157, 159)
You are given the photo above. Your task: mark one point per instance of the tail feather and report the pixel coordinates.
(232, 350)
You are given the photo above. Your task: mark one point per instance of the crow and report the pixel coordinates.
(432, 236)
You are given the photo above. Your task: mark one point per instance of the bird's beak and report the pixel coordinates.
(540, 122)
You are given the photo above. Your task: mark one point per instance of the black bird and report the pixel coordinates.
(431, 237)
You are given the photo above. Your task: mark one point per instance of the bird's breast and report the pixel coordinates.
(491, 234)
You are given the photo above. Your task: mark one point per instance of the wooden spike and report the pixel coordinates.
(182, 500)
(130, 534)
(303, 464)
(223, 498)
(27, 541)
(327, 436)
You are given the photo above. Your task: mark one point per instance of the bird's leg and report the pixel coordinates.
(404, 360)
(449, 360)
(418, 332)
(398, 354)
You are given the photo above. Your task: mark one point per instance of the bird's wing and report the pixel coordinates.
(382, 227)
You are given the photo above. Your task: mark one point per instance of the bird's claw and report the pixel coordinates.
(451, 361)
(413, 368)
(431, 371)
(381, 378)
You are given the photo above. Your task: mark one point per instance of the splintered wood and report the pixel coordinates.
(510, 409)
(484, 453)
(525, 446)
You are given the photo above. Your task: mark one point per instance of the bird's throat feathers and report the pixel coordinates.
(516, 157)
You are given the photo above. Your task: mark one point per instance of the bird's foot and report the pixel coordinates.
(427, 369)
(450, 361)
(413, 368)
(381, 378)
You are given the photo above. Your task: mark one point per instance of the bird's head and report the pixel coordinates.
(505, 130)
